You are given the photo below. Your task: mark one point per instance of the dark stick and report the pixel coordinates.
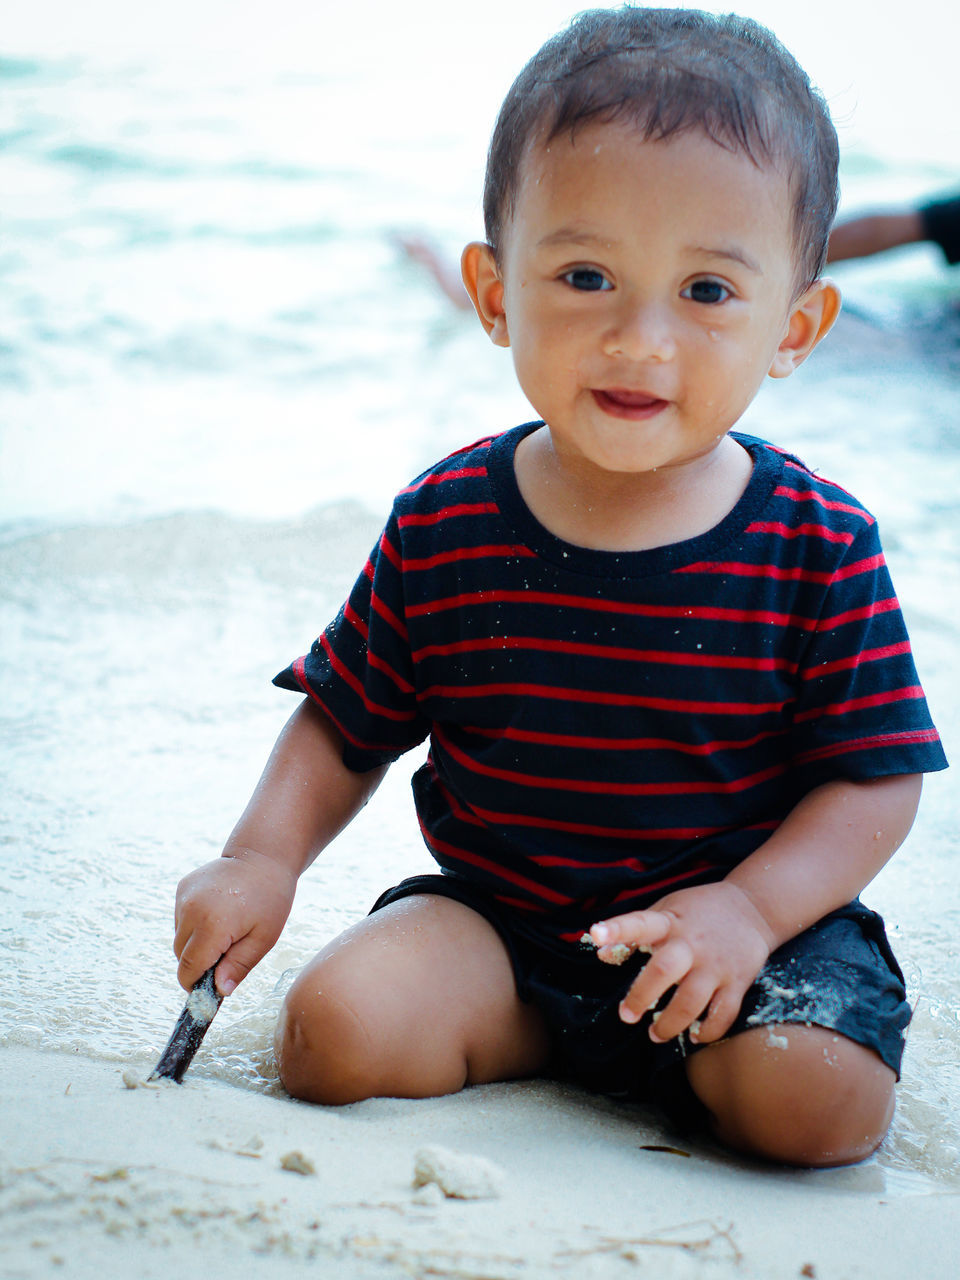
(199, 1011)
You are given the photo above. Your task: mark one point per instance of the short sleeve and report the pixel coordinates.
(861, 712)
(359, 670)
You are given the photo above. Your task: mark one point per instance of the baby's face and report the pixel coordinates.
(647, 286)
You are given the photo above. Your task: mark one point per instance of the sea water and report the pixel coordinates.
(216, 368)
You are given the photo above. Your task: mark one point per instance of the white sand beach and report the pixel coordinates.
(188, 1180)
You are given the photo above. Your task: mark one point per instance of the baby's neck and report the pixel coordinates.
(607, 511)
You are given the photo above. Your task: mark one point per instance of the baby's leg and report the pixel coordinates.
(414, 1001)
(798, 1094)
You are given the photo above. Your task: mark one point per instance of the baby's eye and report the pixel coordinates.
(586, 279)
(706, 291)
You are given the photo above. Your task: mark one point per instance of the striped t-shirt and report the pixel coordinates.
(607, 726)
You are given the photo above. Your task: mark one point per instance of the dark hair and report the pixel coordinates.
(668, 71)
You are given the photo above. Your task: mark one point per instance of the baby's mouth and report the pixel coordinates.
(636, 405)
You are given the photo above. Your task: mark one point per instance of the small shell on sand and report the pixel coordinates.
(134, 1080)
(297, 1162)
(429, 1195)
(458, 1176)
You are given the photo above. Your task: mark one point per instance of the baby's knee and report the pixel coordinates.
(321, 1044)
(797, 1095)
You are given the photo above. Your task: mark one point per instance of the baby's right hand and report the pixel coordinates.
(234, 907)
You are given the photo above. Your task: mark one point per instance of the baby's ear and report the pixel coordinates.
(811, 319)
(481, 279)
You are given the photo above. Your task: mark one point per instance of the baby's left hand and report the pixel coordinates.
(709, 942)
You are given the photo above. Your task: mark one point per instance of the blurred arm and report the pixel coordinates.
(874, 233)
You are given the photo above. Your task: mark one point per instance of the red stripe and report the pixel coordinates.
(658, 886)
(846, 664)
(480, 817)
(873, 610)
(385, 612)
(583, 864)
(494, 868)
(910, 738)
(590, 829)
(811, 495)
(778, 573)
(869, 565)
(441, 477)
(466, 553)
(449, 513)
(805, 471)
(578, 742)
(860, 704)
(355, 620)
(518, 904)
(395, 677)
(790, 574)
(772, 572)
(614, 652)
(527, 690)
(301, 676)
(391, 553)
(800, 531)
(587, 787)
(374, 708)
(483, 443)
(702, 613)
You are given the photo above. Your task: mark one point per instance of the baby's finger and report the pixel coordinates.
(617, 952)
(240, 958)
(198, 953)
(668, 966)
(685, 1008)
(720, 1017)
(636, 929)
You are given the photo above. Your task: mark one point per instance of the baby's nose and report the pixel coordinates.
(641, 331)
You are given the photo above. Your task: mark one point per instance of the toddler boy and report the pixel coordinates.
(674, 720)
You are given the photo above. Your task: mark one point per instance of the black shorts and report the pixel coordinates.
(941, 224)
(840, 974)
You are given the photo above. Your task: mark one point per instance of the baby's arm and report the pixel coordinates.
(237, 905)
(711, 941)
